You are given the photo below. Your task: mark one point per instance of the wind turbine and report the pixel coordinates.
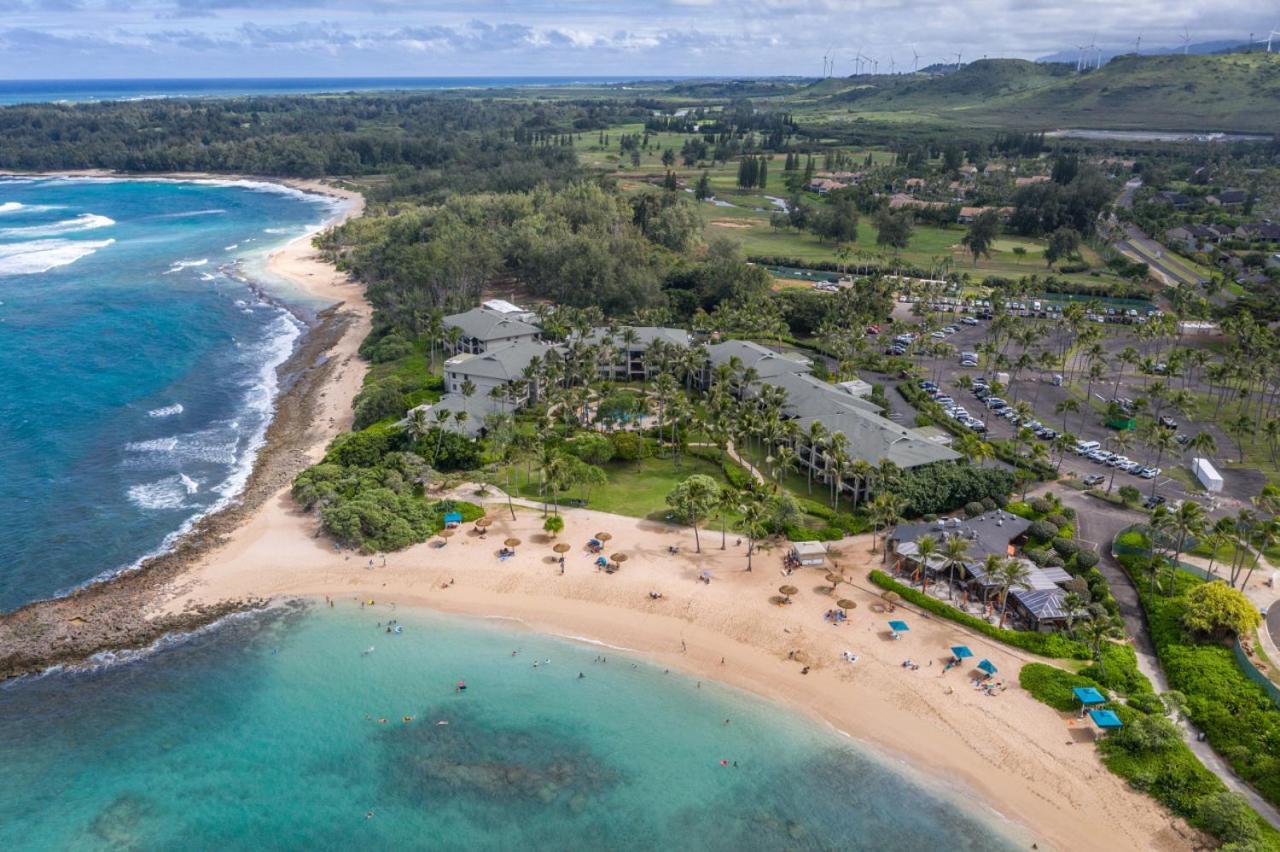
(915, 66)
(1137, 44)
(959, 53)
(1080, 49)
(1270, 36)
(891, 65)
(1186, 40)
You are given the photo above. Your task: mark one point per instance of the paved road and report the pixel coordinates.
(1099, 522)
(1157, 256)
(1273, 623)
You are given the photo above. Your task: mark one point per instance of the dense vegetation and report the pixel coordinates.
(1150, 754)
(1242, 723)
(430, 142)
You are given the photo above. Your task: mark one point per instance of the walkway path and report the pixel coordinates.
(1101, 522)
(733, 454)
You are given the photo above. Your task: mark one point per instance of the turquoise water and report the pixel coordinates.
(264, 733)
(137, 368)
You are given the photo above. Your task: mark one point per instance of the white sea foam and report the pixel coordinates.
(281, 230)
(167, 493)
(83, 222)
(232, 247)
(214, 445)
(10, 206)
(178, 266)
(36, 256)
(192, 485)
(166, 411)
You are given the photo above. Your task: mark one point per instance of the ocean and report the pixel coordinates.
(315, 728)
(137, 363)
(40, 91)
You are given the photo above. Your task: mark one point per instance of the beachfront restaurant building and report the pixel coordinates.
(813, 553)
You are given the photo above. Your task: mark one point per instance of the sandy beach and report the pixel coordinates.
(1024, 760)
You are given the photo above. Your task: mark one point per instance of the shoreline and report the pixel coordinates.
(1029, 764)
(317, 382)
(1010, 751)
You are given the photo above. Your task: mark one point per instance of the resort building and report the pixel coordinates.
(502, 368)
(631, 346)
(484, 328)
(868, 436)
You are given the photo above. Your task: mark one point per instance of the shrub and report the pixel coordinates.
(554, 524)
(1039, 557)
(1057, 519)
(1042, 531)
(1228, 817)
(1147, 702)
(630, 446)
(1087, 559)
(1130, 493)
(1145, 733)
(989, 504)
(1216, 609)
(938, 488)
(1040, 505)
(378, 401)
(973, 509)
(1065, 547)
(1053, 686)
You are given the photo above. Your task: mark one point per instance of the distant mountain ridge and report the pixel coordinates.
(1110, 52)
(1236, 91)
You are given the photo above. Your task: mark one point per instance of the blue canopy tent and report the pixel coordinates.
(987, 666)
(452, 519)
(1106, 720)
(961, 652)
(896, 627)
(1087, 695)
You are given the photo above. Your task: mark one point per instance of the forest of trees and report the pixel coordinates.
(429, 142)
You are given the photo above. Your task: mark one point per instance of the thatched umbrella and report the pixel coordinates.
(834, 580)
(787, 592)
(890, 598)
(483, 522)
(603, 536)
(845, 603)
(562, 547)
(619, 558)
(512, 542)
(446, 533)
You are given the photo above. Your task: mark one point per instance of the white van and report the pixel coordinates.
(1086, 447)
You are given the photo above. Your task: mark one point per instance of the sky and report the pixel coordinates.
(48, 39)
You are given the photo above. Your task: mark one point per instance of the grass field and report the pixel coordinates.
(637, 489)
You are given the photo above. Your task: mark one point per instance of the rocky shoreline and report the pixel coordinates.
(115, 614)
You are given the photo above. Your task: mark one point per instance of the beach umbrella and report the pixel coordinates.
(562, 547)
(447, 532)
(890, 598)
(787, 592)
(483, 523)
(987, 666)
(603, 536)
(898, 626)
(845, 603)
(835, 579)
(512, 542)
(620, 558)
(961, 652)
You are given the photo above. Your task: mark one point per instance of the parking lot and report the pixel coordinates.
(1037, 388)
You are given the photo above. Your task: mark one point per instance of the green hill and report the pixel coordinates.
(1239, 91)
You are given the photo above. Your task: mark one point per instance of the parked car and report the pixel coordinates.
(1094, 479)
(1153, 501)
(1149, 472)
(968, 321)
(1168, 423)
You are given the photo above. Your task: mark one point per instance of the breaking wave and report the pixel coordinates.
(34, 256)
(83, 222)
(166, 411)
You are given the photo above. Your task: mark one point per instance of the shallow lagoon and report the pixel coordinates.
(266, 732)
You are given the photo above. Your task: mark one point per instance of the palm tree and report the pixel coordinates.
(1188, 520)
(926, 546)
(1161, 440)
(954, 551)
(755, 515)
(1095, 633)
(1121, 442)
(1238, 427)
(1010, 574)
(417, 424)
(730, 501)
(1070, 405)
(885, 509)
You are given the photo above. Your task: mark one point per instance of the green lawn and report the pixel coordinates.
(637, 489)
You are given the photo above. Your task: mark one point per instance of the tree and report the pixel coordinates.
(1217, 610)
(1063, 243)
(893, 229)
(755, 516)
(1228, 817)
(730, 502)
(954, 551)
(702, 189)
(553, 525)
(1010, 574)
(982, 234)
(668, 158)
(693, 499)
(926, 547)
(885, 509)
